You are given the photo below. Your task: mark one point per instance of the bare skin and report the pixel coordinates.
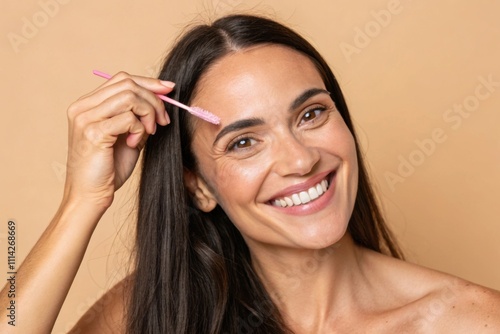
(392, 297)
(107, 128)
(320, 280)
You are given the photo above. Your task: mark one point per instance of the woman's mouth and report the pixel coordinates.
(305, 196)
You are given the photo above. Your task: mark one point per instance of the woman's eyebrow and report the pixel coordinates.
(238, 125)
(306, 95)
(249, 122)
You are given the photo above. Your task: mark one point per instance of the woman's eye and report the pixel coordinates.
(311, 114)
(241, 144)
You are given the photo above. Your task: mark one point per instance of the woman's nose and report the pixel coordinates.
(295, 157)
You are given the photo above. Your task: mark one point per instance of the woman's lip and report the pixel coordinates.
(304, 186)
(315, 205)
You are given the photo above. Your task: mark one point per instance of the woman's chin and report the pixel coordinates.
(318, 237)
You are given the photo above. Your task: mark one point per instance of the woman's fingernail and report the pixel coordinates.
(167, 117)
(154, 130)
(168, 84)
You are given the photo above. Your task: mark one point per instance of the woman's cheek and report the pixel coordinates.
(352, 162)
(239, 180)
(233, 173)
(345, 141)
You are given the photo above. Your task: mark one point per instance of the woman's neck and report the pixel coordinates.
(307, 285)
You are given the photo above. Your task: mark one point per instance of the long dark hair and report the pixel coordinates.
(193, 271)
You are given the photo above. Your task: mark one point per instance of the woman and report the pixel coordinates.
(265, 223)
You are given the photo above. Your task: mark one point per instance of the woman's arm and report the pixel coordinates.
(107, 129)
(43, 280)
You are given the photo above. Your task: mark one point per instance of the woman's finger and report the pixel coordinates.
(129, 90)
(122, 102)
(142, 86)
(105, 133)
(155, 85)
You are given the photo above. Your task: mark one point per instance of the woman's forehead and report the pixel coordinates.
(260, 76)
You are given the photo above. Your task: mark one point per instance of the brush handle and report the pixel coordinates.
(203, 114)
(163, 97)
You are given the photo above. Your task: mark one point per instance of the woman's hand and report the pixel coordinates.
(107, 130)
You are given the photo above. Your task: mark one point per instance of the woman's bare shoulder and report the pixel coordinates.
(107, 315)
(472, 308)
(433, 301)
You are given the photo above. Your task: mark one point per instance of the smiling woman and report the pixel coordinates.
(265, 223)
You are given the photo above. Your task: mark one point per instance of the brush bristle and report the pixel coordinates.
(205, 115)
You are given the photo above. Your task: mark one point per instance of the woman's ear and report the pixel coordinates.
(203, 198)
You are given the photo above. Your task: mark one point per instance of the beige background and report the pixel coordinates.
(401, 76)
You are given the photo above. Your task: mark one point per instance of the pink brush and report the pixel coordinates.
(198, 112)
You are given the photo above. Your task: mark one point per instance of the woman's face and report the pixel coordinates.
(280, 141)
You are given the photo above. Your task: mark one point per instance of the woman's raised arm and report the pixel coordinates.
(107, 129)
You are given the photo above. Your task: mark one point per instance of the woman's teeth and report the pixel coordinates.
(303, 197)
